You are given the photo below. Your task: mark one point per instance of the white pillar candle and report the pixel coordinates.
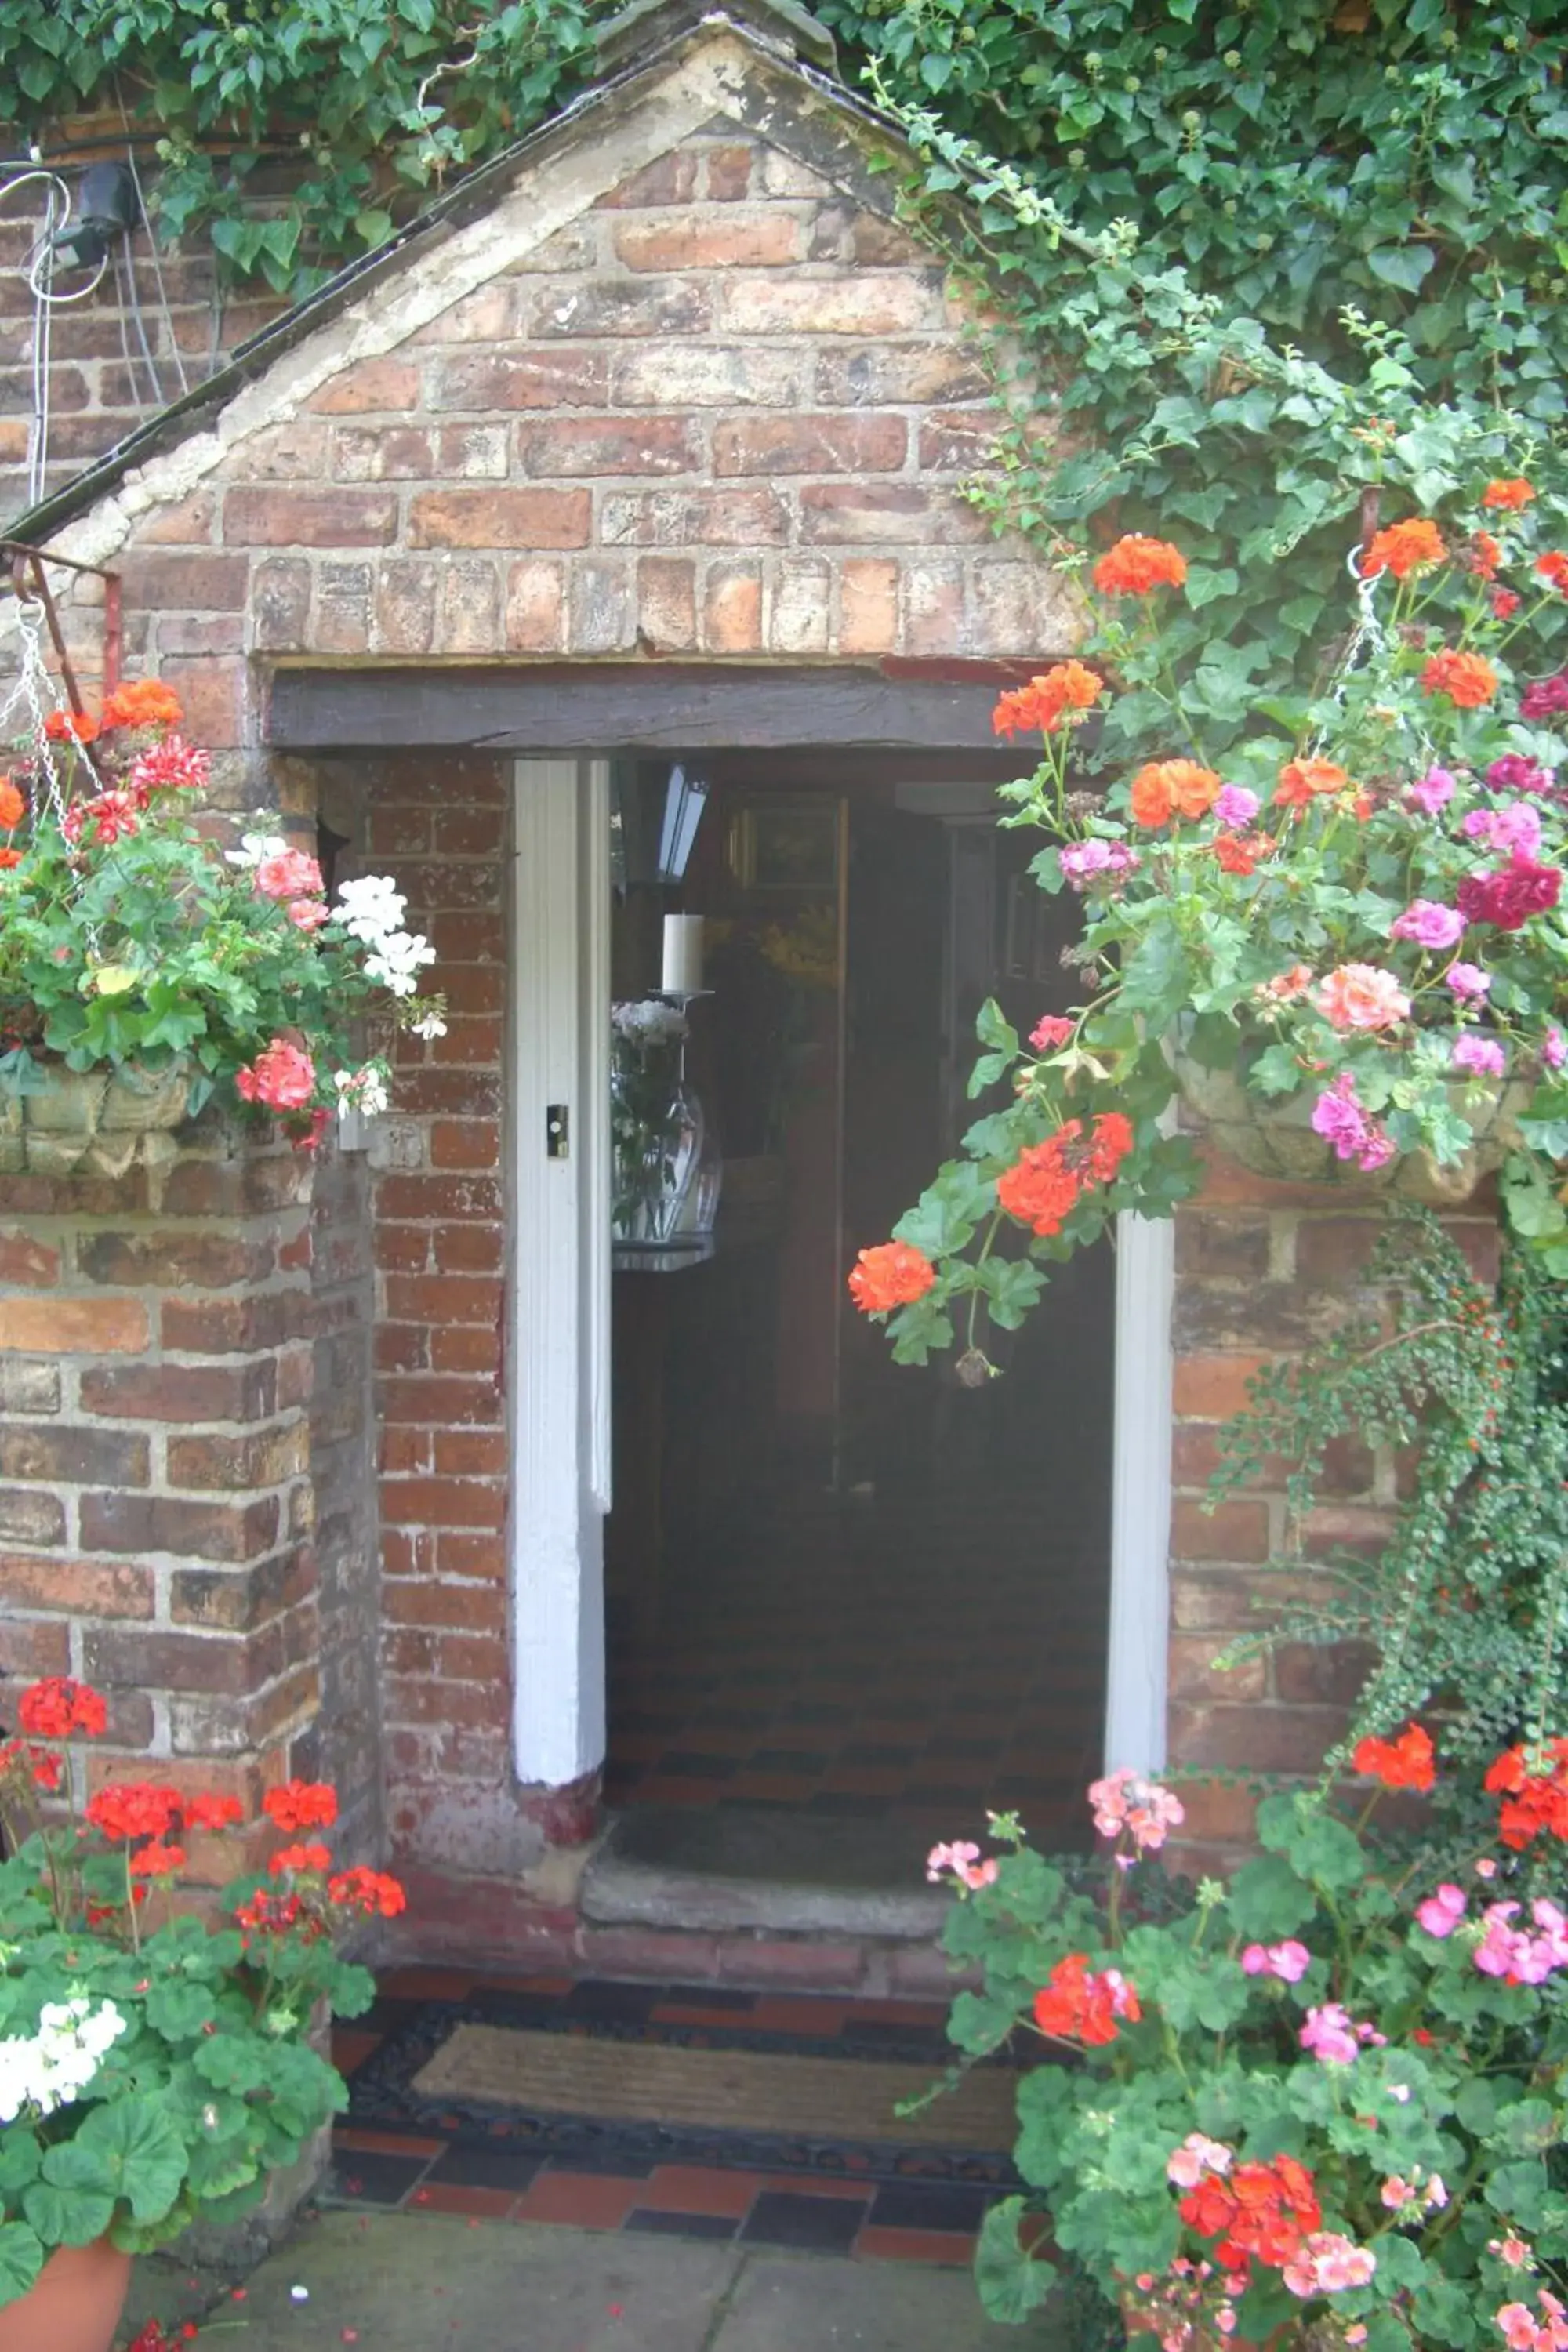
(683, 955)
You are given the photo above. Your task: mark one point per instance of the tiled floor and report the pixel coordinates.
(932, 2220)
(922, 1658)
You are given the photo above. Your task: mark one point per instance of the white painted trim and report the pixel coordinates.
(559, 1235)
(1135, 1693)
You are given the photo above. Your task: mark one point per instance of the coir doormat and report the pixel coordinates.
(607, 2088)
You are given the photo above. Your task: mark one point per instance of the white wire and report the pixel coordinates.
(157, 267)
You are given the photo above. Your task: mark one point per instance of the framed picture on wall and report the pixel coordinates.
(785, 845)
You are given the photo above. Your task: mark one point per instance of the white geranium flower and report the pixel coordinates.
(428, 1024)
(395, 961)
(255, 846)
(53, 2067)
(369, 908)
(362, 1090)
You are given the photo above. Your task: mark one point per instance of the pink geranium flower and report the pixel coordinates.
(1441, 1912)
(1469, 981)
(1049, 1030)
(1289, 1961)
(1515, 826)
(1479, 1057)
(288, 873)
(1430, 924)
(1433, 790)
(1330, 2035)
(1198, 2155)
(1236, 807)
(1328, 2263)
(1358, 996)
(1124, 1800)
(281, 1077)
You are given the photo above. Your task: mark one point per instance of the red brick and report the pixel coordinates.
(816, 443)
(246, 1186)
(846, 514)
(388, 385)
(458, 1607)
(175, 1260)
(237, 1600)
(411, 1399)
(266, 1457)
(733, 518)
(473, 1658)
(30, 1515)
(1237, 1530)
(733, 608)
(470, 1453)
(1234, 1248)
(1333, 1674)
(415, 1699)
(225, 1531)
(26, 1261)
(73, 1455)
(468, 1249)
(500, 518)
(465, 1144)
(461, 1553)
(269, 517)
(608, 444)
(171, 582)
(535, 608)
(1253, 1738)
(1212, 1388)
(444, 1502)
(1194, 1674)
(729, 177)
(467, 1349)
(669, 179)
(82, 1588)
(553, 377)
(443, 1298)
(234, 1327)
(74, 1326)
(31, 1650)
(869, 593)
(764, 238)
(873, 303)
(157, 1659)
(666, 603)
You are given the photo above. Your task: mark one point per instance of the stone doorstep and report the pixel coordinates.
(726, 1869)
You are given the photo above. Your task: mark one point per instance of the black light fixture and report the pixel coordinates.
(107, 209)
(655, 811)
(685, 798)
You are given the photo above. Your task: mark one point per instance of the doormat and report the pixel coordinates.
(602, 2090)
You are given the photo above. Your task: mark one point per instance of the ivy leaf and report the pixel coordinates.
(1404, 265)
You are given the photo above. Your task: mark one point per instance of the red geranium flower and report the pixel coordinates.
(300, 1857)
(135, 1809)
(1552, 567)
(302, 1805)
(1510, 893)
(1137, 564)
(213, 1812)
(1406, 1763)
(369, 1891)
(55, 1708)
(157, 1861)
(1513, 494)
(894, 1274)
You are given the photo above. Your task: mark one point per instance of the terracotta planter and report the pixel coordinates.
(74, 2307)
(99, 1120)
(1277, 1139)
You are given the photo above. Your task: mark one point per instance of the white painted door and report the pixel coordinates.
(559, 1226)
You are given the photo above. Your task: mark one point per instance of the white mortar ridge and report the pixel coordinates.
(546, 197)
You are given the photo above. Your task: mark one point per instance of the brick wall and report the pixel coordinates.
(102, 384)
(1263, 1270)
(155, 1499)
(348, 1741)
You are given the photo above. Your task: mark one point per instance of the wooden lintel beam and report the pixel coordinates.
(625, 706)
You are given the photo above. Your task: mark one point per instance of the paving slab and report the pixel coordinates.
(800, 2304)
(433, 2283)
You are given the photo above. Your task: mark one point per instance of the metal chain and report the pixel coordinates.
(33, 685)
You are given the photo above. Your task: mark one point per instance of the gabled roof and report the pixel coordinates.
(785, 98)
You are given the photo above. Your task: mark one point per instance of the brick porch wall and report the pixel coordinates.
(155, 1497)
(1263, 1270)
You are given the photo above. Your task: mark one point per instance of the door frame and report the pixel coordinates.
(558, 1262)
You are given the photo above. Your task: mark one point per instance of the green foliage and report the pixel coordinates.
(371, 101)
(1467, 1608)
(1420, 2068)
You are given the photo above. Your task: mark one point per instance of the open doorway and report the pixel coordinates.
(838, 1589)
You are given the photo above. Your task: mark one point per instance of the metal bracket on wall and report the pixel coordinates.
(23, 559)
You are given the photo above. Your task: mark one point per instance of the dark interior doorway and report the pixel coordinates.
(835, 1585)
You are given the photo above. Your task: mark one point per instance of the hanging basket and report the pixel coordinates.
(98, 1122)
(1275, 1137)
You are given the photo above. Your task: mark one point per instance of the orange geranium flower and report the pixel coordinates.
(70, 726)
(1047, 1180)
(895, 1274)
(1040, 707)
(13, 807)
(1485, 555)
(1402, 548)
(302, 1805)
(9, 857)
(1302, 780)
(1165, 789)
(1406, 1763)
(1137, 563)
(1552, 567)
(144, 702)
(1239, 853)
(1468, 680)
(1514, 493)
